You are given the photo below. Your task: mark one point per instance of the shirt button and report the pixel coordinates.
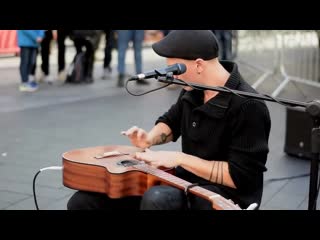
(194, 124)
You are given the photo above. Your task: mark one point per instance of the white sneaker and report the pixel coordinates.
(48, 79)
(23, 87)
(44, 78)
(28, 87)
(41, 77)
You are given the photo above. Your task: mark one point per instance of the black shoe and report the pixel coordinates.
(88, 79)
(106, 73)
(142, 82)
(120, 80)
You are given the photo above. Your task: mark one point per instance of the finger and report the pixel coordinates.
(147, 150)
(140, 133)
(129, 131)
(155, 164)
(143, 156)
(137, 156)
(132, 130)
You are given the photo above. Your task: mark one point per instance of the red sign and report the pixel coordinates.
(8, 42)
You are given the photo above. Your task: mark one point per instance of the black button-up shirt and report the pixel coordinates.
(226, 128)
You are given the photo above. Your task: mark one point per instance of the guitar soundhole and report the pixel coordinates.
(128, 163)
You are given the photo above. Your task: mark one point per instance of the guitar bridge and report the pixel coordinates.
(110, 154)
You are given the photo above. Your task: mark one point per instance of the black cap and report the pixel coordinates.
(188, 44)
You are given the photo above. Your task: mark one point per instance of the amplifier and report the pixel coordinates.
(298, 132)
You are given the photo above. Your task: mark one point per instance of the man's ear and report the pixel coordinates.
(199, 65)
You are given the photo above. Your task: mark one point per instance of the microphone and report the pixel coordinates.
(175, 69)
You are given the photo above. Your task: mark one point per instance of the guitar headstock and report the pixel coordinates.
(220, 203)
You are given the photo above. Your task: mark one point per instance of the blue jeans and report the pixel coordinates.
(155, 198)
(27, 60)
(171, 198)
(124, 37)
(224, 38)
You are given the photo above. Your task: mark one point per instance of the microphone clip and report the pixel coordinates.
(168, 78)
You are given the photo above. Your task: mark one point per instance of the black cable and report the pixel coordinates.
(260, 96)
(186, 192)
(34, 181)
(169, 79)
(233, 92)
(230, 90)
(317, 194)
(287, 178)
(34, 189)
(293, 177)
(153, 90)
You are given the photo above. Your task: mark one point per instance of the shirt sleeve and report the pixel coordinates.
(249, 145)
(172, 118)
(40, 33)
(34, 34)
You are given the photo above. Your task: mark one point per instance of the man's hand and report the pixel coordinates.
(166, 159)
(138, 137)
(55, 35)
(39, 39)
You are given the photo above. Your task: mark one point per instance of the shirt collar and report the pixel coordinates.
(217, 106)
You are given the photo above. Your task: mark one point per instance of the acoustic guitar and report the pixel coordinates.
(113, 170)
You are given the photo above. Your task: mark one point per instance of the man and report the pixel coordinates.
(59, 36)
(109, 45)
(124, 37)
(224, 136)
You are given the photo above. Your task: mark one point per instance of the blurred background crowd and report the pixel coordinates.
(29, 44)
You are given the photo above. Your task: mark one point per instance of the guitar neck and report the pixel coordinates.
(216, 199)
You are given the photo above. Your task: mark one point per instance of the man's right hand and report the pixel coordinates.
(138, 137)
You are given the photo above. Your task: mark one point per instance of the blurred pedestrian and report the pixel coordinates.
(109, 44)
(62, 34)
(124, 37)
(88, 39)
(225, 43)
(45, 50)
(28, 41)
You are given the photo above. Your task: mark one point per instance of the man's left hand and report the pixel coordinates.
(166, 159)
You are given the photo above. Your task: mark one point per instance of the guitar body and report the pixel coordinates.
(101, 169)
(114, 175)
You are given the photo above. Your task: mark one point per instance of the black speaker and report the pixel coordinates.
(298, 133)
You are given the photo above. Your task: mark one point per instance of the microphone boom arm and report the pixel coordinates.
(293, 103)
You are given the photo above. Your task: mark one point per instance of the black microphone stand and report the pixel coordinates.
(312, 108)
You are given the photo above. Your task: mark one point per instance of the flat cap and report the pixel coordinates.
(188, 44)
